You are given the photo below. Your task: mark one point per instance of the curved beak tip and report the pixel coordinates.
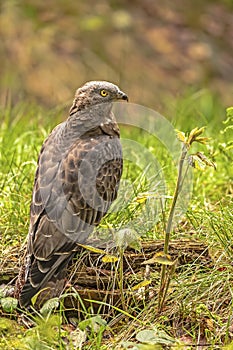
(125, 98)
(122, 96)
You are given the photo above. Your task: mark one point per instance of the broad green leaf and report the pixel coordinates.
(49, 306)
(155, 337)
(9, 304)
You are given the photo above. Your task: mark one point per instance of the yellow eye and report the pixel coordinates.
(103, 93)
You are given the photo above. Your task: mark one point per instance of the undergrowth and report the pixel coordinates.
(198, 305)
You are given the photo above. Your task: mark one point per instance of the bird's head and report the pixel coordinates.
(96, 92)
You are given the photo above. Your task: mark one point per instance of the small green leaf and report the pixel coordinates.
(141, 285)
(155, 336)
(49, 306)
(181, 136)
(141, 199)
(193, 135)
(34, 298)
(161, 258)
(136, 244)
(164, 259)
(197, 163)
(127, 237)
(229, 112)
(109, 258)
(200, 161)
(203, 140)
(92, 249)
(95, 323)
(9, 304)
(205, 160)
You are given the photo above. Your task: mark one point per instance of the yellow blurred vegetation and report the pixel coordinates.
(49, 48)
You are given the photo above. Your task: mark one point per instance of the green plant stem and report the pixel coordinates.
(175, 197)
(121, 286)
(165, 281)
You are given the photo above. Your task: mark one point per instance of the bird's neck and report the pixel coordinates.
(89, 122)
(88, 119)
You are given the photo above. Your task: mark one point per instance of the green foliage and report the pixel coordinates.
(155, 336)
(226, 148)
(45, 335)
(11, 335)
(9, 304)
(49, 306)
(94, 327)
(199, 295)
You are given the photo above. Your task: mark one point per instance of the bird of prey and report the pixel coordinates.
(77, 179)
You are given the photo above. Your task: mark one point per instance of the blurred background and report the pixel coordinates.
(153, 50)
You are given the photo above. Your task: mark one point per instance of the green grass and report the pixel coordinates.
(199, 303)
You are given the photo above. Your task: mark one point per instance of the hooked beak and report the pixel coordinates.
(122, 96)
